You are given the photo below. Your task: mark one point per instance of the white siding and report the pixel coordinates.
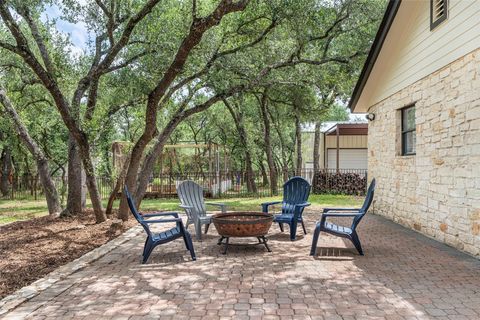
(357, 141)
(411, 51)
(349, 159)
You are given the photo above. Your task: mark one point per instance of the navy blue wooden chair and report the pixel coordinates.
(155, 239)
(295, 195)
(350, 233)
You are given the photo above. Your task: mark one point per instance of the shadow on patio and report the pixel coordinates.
(403, 275)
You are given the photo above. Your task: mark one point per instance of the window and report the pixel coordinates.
(409, 136)
(438, 12)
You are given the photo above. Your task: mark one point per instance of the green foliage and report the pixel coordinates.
(280, 45)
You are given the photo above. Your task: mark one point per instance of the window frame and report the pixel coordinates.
(404, 131)
(443, 17)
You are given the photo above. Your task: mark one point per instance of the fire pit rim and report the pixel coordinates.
(255, 227)
(223, 217)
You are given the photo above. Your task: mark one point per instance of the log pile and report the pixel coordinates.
(350, 183)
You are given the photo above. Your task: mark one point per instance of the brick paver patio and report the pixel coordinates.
(403, 275)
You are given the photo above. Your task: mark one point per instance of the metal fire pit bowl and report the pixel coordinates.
(242, 225)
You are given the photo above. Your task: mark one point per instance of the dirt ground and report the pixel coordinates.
(31, 249)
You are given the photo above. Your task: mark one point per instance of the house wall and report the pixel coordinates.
(436, 191)
(349, 142)
(326, 142)
(411, 51)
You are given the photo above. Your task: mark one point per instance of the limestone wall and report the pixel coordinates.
(436, 191)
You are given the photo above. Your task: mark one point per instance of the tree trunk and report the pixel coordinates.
(298, 138)
(116, 188)
(91, 180)
(74, 177)
(268, 146)
(283, 160)
(250, 176)
(6, 168)
(149, 163)
(285, 171)
(264, 173)
(84, 189)
(51, 194)
(191, 40)
(237, 116)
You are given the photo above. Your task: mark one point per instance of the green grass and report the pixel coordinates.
(16, 210)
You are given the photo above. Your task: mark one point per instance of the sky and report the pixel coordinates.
(78, 32)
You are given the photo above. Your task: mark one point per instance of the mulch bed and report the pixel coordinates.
(31, 249)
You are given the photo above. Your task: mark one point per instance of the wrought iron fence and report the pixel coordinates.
(222, 184)
(30, 188)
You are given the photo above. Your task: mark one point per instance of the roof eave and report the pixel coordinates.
(382, 32)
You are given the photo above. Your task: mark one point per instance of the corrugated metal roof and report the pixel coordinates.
(310, 127)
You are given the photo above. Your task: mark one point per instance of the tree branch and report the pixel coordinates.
(111, 20)
(25, 13)
(127, 62)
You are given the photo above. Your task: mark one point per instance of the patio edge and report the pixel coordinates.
(26, 293)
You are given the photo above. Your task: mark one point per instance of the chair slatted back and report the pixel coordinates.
(295, 191)
(366, 203)
(191, 194)
(135, 213)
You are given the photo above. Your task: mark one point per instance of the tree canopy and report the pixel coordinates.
(241, 73)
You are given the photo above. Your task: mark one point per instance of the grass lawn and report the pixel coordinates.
(15, 210)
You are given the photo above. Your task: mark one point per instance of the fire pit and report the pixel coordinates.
(242, 225)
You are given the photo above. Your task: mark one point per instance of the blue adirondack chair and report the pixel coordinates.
(192, 201)
(295, 196)
(350, 233)
(155, 239)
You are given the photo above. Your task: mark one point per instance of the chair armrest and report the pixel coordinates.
(222, 206)
(164, 220)
(265, 205)
(185, 206)
(298, 208)
(341, 209)
(305, 204)
(216, 204)
(160, 214)
(271, 203)
(339, 214)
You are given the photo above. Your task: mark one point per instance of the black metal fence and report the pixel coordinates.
(222, 184)
(30, 188)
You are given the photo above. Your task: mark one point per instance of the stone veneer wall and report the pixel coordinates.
(436, 191)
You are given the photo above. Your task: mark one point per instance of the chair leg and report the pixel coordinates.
(281, 226)
(206, 227)
(198, 231)
(303, 226)
(356, 243)
(145, 246)
(189, 222)
(185, 239)
(293, 230)
(316, 235)
(148, 251)
(190, 244)
(227, 240)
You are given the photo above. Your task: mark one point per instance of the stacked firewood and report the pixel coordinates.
(339, 183)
